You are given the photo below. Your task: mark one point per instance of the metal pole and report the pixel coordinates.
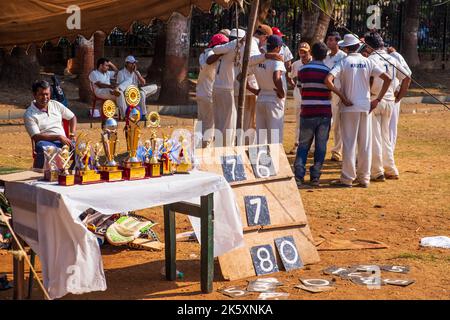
(444, 42)
(243, 80)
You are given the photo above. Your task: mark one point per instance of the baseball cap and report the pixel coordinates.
(304, 46)
(130, 59)
(276, 31)
(217, 39)
(274, 41)
(265, 29)
(237, 33)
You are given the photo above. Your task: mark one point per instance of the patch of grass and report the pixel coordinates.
(6, 170)
(421, 256)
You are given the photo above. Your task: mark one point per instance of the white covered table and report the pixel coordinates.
(46, 216)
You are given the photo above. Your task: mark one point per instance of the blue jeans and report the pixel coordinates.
(317, 128)
(39, 149)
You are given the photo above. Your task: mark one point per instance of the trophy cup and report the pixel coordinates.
(110, 171)
(65, 178)
(132, 167)
(183, 162)
(85, 170)
(50, 168)
(153, 167)
(166, 162)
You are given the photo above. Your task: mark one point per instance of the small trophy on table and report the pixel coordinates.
(153, 167)
(110, 171)
(51, 170)
(132, 167)
(183, 163)
(65, 178)
(166, 162)
(85, 172)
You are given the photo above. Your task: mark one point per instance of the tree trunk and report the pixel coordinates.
(99, 45)
(263, 11)
(410, 29)
(175, 86)
(308, 25)
(155, 70)
(86, 66)
(20, 69)
(322, 23)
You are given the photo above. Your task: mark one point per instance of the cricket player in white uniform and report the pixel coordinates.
(204, 90)
(334, 56)
(304, 52)
(396, 113)
(270, 95)
(225, 112)
(354, 73)
(383, 163)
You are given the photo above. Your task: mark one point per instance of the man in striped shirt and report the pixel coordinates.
(315, 115)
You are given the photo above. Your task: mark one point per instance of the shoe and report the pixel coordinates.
(380, 178)
(335, 157)
(300, 181)
(362, 185)
(315, 182)
(392, 176)
(340, 184)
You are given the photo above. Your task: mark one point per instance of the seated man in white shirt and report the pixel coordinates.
(101, 83)
(43, 122)
(130, 75)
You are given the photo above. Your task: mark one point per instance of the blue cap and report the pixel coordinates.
(274, 41)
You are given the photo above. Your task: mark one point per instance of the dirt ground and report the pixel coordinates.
(398, 213)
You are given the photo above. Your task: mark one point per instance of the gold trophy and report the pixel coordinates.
(133, 168)
(65, 178)
(85, 172)
(110, 171)
(184, 164)
(153, 167)
(51, 170)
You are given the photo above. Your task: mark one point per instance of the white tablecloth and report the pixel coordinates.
(46, 215)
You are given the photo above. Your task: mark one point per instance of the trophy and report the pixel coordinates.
(183, 161)
(133, 168)
(85, 172)
(51, 170)
(65, 178)
(109, 171)
(153, 167)
(166, 162)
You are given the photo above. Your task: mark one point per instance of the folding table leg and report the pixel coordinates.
(207, 242)
(170, 243)
(18, 274)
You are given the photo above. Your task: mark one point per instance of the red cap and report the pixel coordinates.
(217, 39)
(277, 32)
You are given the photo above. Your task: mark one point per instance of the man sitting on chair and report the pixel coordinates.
(43, 121)
(101, 83)
(130, 75)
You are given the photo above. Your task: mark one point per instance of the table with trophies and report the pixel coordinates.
(154, 173)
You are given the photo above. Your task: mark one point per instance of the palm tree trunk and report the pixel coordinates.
(175, 86)
(99, 45)
(86, 66)
(411, 27)
(322, 22)
(308, 25)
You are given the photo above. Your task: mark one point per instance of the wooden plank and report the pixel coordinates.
(170, 243)
(20, 176)
(207, 243)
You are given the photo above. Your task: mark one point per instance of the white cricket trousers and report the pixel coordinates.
(205, 115)
(225, 114)
(382, 152)
(393, 125)
(249, 114)
(336, 123)
(270, 121)
(356, 130)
